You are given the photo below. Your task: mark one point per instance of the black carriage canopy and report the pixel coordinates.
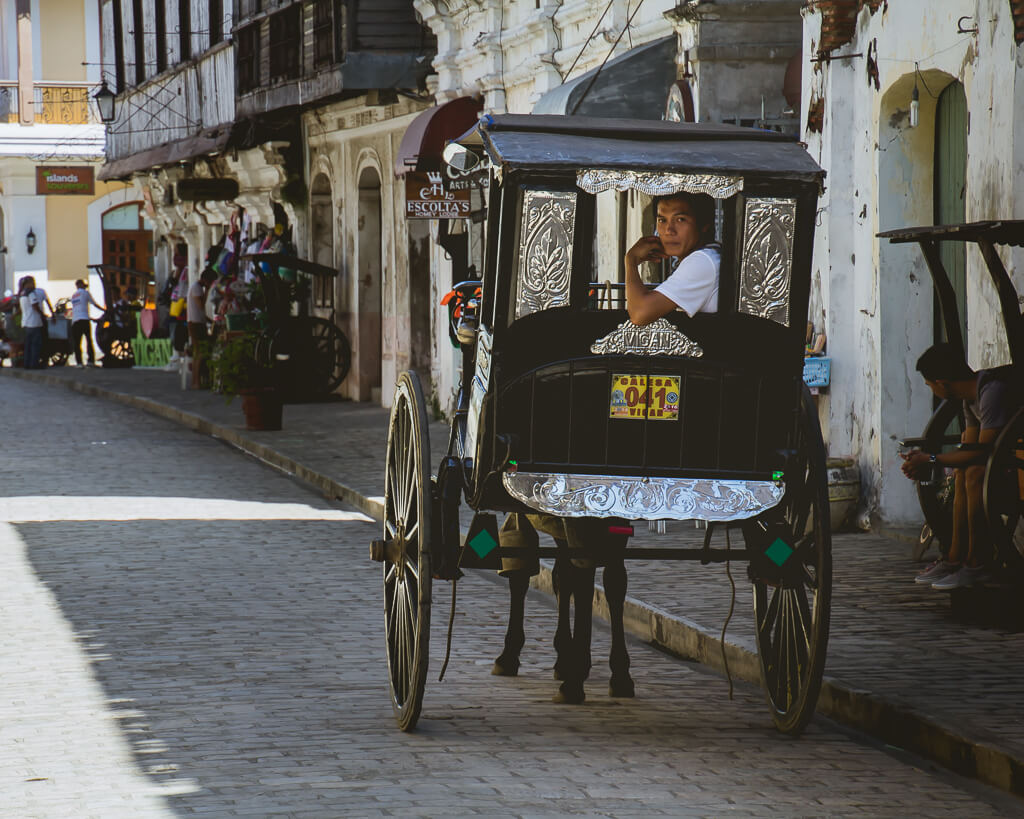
(559, 143)
(292, 263)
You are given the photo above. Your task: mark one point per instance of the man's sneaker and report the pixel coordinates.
(966, 576)
(938, 570)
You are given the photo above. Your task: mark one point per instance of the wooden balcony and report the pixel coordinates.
(53, 103)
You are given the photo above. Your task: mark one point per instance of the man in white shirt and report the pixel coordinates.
(80, 323)
(33, 319)
(685, 230)
(196, 309)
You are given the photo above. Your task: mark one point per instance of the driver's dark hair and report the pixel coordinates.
(944, 362)
(703, 207)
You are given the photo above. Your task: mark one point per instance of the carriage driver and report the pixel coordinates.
(686, 231)
(988, 398)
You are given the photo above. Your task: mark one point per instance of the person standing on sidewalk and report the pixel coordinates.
(989, 398)
(33, 321)
(81, 326)
(197, 321)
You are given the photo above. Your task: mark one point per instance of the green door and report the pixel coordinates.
(950, 193)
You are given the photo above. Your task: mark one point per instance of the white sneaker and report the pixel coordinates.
(965, 577)
(936, 571)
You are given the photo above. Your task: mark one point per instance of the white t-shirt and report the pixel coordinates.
(196, 306)
(80, 301)
(693, 285)
(30, 317)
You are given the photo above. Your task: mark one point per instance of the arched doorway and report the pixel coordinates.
(368, 287)
(321, 222)
(950, 189)
(127, 239)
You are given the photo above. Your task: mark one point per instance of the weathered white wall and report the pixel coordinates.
(874, 298)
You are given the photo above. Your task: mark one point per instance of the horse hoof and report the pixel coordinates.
(505, 668)
(622, 688)
(570, 694)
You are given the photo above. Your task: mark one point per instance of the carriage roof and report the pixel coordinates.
(565, 143)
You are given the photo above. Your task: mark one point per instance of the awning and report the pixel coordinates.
(427, 135)
(632, 86)
(208, 142)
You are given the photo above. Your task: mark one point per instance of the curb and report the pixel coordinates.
(888, 720)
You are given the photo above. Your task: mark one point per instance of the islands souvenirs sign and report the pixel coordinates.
(427, 198)
(53, 179)
(636, 397)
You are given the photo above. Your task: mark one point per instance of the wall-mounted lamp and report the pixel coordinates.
(105, 102)
(30, 241)
(915, 106)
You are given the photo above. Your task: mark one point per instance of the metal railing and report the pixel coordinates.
(53, 103)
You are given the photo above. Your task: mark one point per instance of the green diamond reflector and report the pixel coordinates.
(779, 552)
(483, 544)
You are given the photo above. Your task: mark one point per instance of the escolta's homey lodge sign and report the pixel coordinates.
(51, 179)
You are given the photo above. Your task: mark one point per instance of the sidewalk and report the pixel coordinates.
(899, 666)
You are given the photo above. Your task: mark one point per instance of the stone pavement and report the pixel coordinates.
(899, 667)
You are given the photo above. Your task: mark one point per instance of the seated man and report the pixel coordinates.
(686, 230)
(988, 402)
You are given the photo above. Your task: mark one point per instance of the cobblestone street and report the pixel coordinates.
(189, 632)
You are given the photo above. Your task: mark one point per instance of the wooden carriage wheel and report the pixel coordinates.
(407, 569)
(112, 343)
(330, 356)
(792, 609)
(1004, 491)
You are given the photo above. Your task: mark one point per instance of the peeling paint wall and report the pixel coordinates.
(875, 298)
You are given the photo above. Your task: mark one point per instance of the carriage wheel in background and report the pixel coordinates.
(407, 531)
(1004, 491)
(792, 606)
(329, 356)
(110, 341)
(936, 497)
(58, 358)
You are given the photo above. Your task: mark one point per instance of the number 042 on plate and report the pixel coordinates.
(636, 397)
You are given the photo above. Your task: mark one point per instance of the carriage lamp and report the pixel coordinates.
(915, 106)
(105, 102)
(30, 241)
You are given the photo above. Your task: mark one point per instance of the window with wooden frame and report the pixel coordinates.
(323, 34)
(248, 58)
(216, 21)
(185, 29)
(286, 43)
(160, 20)
(139, 38)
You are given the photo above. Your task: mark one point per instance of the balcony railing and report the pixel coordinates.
(53, 103)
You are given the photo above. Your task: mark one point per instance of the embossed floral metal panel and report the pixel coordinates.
(765, 274)
(545, 251)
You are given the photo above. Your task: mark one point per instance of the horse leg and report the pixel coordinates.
(507, 665)
(575, 670)
(562, 582)
(620, 684)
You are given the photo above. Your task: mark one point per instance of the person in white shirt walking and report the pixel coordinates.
(80, 323)
(33, 320)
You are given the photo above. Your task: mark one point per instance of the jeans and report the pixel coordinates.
(80, 329)
(33, 348)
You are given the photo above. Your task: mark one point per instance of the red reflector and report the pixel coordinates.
(621, 530)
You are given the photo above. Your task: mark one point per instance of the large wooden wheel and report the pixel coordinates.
(407, 531)
(115, 345)
(1004, 491)
(792, 602)
(329, 356)
(936, 496)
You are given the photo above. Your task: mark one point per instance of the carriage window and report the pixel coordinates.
(765, 273)
(545, 250)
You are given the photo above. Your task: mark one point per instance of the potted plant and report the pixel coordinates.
(237, 371)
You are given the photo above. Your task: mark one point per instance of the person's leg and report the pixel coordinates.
(979, 552)
(33, 347)
(960, 547)
(76, 340)
(87, 332)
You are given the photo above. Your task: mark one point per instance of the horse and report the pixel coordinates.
(573, 578)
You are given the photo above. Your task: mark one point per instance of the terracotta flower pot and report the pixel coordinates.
(262, 409)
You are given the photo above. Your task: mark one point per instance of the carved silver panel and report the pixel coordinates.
(477, 390)
(634, 498)
(660, 184)
(545, 251)
(765, 275)
(657, 338)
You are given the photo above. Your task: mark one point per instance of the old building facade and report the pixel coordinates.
(957, 158)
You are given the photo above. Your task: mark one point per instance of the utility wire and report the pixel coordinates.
(611, 51)
(589, 38)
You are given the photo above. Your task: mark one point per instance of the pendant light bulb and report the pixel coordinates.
(915, 107)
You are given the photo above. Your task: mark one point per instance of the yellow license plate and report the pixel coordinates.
(637, 397)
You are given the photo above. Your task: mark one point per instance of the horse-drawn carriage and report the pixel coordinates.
(1003, 492)
(568, 410)
(115, 329)
(310, 355)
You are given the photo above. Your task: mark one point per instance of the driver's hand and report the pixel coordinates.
(646, 249)
(915, 465)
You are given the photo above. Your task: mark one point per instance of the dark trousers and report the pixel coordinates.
(80, 329)
(33, 347)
